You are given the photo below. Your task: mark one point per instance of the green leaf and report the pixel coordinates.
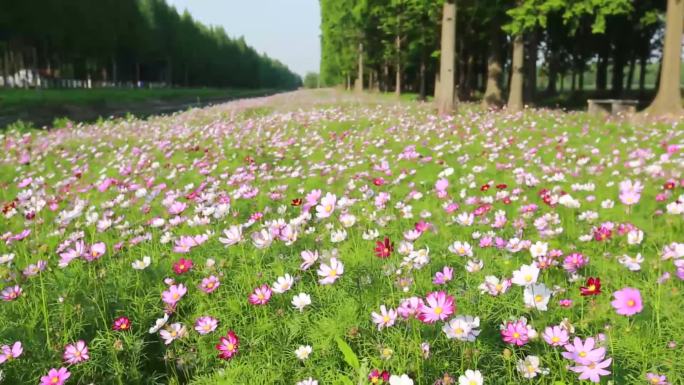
(349, 355)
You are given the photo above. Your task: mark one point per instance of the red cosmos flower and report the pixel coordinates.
(121, 324)
(378, 181)
(378, 377)
(670, 185)
(501, 186)
(484, 187)
(507, 201)
(182, 266)
(593, 287)
(384, 249)
(228, 346)
(297, 202)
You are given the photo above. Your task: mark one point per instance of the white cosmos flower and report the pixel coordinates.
(539, 249)
(400, 380)
(462, 328)
(338, 236)
(526, 275)
(173, 332)
(462, 249)
(632, 263)
(303, 352)
(309, 258)
(370, 234)
(300, 301)
(529, 367)
(283, 284)
(141, 265)
(471, 377)
(537, 296)
(159, 324)
(347, 220)
(635, 237)
(233, 235)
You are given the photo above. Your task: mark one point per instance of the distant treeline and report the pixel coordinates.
(134, 41)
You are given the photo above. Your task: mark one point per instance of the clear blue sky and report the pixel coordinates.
(287, 30)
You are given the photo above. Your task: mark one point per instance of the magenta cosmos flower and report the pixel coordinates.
(438, 307)
(55, 377)
(76, 353)
(182, 266)
(96, 251)
(410, 307)
(121, 324)
(627, 301)
(228, 346)
(261, 295)
(8, 353)
(515, 333)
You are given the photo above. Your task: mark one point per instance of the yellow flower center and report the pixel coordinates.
(528, 278)
(438, 310)
(555, 339)
(538, 298)
(582, 354)
(230, 346)
(332, 273)
(631, 303)
(328, 208)
(516, 335)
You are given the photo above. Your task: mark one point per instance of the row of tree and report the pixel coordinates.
(128, 40)
(464, 49)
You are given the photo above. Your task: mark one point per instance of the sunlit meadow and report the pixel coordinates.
(309, 238)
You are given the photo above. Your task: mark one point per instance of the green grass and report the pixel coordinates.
(320, 143)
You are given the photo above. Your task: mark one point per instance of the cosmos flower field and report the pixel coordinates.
(311, 238)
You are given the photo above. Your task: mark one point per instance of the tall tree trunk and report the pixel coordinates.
(553, 74)
(531, 66)
(358, 86)
(422, 89)
(573, 86)
(397, 83)
(115, 74)
(668, 100)
(515, 96)
(602, 73)
(446, 102)
(385, 77)
(643, 61)
(630, 73)
(618, 73)
(437, 87)
(5, 69)
(492, 94)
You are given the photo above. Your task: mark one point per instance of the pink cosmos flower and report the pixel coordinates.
(228, 346)
(210, 284)
(630, 192)
(574, 261)
(656, 379)
(11, 293)
(555, 336)
(515, 333)
(438, 307)
(593, 370)
(177, 207)
(76, 353)
(410, 307)
(185, 243)
(308, 258)
(174, 294)
(205, 325)
(385, 318)
(627, 301)
(173, 332)
(55, 377)
(444, 276)
(327, 206)
(261, 295)
(583, 352)
(8, 353)
(95, 252)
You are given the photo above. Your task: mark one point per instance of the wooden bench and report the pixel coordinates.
(611, 106)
